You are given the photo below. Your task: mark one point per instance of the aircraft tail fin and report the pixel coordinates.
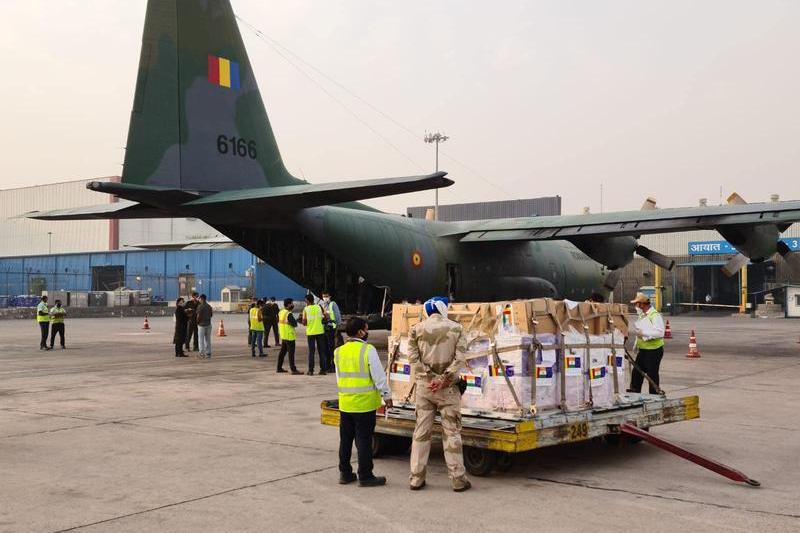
(198, 121)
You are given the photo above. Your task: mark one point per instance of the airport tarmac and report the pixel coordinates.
(116, 434)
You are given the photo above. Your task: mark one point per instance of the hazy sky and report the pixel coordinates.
(672, 99)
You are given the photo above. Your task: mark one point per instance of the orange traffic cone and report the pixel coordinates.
(221, 330)
(146, 325)
(667, 331)
(693, 351)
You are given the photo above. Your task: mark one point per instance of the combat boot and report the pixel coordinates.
(376, 481)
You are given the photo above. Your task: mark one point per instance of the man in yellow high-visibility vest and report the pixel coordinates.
(286, 324)
(361, 381)
(43, 319)
(313, 318)
(650, 342)
(57, 314)
(257, 329)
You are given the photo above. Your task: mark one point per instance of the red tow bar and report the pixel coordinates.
(705, 462)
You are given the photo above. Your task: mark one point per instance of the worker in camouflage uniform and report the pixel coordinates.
(436, 349)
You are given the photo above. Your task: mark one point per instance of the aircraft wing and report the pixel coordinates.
(117, 210)
(294, 197)
(628, 223)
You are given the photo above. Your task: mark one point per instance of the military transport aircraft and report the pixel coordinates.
(200, 145)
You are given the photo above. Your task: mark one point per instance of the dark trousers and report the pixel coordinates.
(191, 333)
(271, 325)
(649, 361)
(333, 337)
(57, 328)
(44, 328)
(357, 427)
(287, 347)
(321, 344)
(179, 348)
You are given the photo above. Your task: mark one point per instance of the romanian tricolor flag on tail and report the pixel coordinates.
(223, 72)
(597, 373)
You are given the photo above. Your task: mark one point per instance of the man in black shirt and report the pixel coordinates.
(191, 325)
(271, 310)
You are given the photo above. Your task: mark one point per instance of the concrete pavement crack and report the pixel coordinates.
(199, 498)
(660, 497)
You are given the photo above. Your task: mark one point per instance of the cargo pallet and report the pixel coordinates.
(491, 443)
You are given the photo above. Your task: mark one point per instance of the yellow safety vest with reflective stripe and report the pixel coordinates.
(357, 391)
(651, 344)
(57, 315)
(255, 323)
(314, 320)
(42, 308)
(285, 330)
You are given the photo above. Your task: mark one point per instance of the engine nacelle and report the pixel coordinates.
(756, 242)
(613, 252)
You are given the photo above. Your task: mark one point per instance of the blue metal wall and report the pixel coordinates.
(149, 269)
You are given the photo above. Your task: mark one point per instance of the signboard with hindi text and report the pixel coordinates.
(725, 248)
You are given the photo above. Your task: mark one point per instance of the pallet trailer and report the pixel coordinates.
(491, 443)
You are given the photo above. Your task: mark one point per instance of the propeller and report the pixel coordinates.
(656, 258)
(792, 259)
(612, 279)
(738, 261)
(651, 255)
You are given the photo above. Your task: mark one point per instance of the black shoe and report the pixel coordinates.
(377, 481)
(296, 372)
(323, 373)
(344, 479)
(181, 355)
(262, 355)
(281, 371)
(417, 487)
(310, 373)
(48, 348)
(467, 486)
(253, 354)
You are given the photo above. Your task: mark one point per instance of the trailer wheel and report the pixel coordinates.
(479, 462)
(389, 444)
(504, 461)
(380, 445)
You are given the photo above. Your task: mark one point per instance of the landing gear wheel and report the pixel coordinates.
(504, 461)
(479, 462)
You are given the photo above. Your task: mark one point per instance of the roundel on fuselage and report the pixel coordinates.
(416, 259)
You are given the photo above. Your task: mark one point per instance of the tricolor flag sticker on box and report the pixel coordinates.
(474, 384)
(611, 361)
(495, 371)
(597, 373)
(573, 361)
(223, 72)
(400, 372)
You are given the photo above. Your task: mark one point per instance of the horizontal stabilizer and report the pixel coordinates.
(293, 197)
(113, 211)
(147, 194)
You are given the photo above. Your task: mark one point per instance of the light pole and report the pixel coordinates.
(436, 138)
(49, 243)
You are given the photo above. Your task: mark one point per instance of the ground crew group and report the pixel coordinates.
(51, 321)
